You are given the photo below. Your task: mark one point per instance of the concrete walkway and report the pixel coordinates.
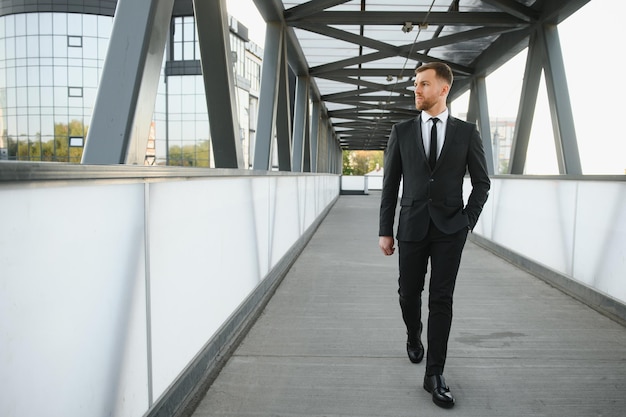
(331, 342)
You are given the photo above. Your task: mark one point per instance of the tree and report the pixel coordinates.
(361, 162)
(56, 149)
(347, 166)
(193, 155)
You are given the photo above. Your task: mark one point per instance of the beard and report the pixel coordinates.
(425, 104)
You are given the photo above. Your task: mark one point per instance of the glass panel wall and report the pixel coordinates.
(48, 79)
(50, 67)
(182, 131)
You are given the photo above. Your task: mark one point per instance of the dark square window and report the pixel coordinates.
(75, 41)
(77, 141)
(74, 91)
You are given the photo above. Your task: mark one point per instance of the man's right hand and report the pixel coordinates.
(386, 245)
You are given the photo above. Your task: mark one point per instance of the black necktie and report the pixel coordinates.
(432, 157)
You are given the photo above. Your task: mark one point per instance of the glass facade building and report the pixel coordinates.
(51, 59)
(49, 72)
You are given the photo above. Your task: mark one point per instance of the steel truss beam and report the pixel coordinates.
(128, 86)
(214, 41)
(544, 52)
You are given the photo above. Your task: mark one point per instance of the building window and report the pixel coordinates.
(76, 141)
(75, 41)
(184, 39)
(74, 91)
(49, 69)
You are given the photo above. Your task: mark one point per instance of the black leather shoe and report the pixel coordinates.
(436, 385)
(415, 351)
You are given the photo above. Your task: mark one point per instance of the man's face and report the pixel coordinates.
(430, 91)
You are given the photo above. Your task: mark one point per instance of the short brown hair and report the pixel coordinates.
(442, 70)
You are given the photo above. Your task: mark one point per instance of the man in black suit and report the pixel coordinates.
(431, 154)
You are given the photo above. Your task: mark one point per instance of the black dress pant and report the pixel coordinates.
(444, 252)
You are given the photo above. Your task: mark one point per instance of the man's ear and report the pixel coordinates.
(445, 89)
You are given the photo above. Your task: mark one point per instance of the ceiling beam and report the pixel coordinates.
(399, 18)
(310, 7)
(515, 8)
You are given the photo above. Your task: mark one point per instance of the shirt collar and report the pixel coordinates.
(443, 116)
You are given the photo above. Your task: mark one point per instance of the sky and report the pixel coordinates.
(589, 40)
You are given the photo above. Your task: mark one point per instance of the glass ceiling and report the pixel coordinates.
(362, 54)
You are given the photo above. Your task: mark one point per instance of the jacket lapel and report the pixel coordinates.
(447, 143)
(418, 135)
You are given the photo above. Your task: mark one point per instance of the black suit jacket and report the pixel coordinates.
(436, 194)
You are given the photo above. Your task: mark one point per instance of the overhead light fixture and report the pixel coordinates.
(407, 27)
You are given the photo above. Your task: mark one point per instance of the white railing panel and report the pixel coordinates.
(374, 182)
(262, 193)
(353, 183)
(74, 317)
(600, 254)
(574, 227)
(286, 213)
(550, 207)
(72, 301)
(203, 264)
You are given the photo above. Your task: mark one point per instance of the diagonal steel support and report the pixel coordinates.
(268, 96)
(526, 111)
(301, 114)
(128, 86)
(310, 7)
(567, 152)
(314, 134)
(284, 114)
(544, 52)
(217, 71)
(479, 112)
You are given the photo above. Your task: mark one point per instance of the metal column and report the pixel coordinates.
(526, 111)
(314, 138)
(128, 87)
(565, 140)
(283, 114)
(268, 96)
(544, 52)
(479, 112)
(306, 167)
(301, 114)
(217, 71)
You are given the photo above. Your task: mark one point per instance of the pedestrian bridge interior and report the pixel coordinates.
(166, 291)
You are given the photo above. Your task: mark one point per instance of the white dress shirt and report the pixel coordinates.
(427, 124)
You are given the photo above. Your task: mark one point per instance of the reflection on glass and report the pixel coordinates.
(21, 79)
(90, 77)
(45, 24)
(60, 97)
(50, 66)
(90, 25)
(75, 75)
(9, 46)
(33, 76)
(90, 48)
(60, 75)
(60, 46)
(33, 97)
(20, 25)
(20, 47)
(74, 24)
(32, 24)
(32, 45)
(45, 43)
